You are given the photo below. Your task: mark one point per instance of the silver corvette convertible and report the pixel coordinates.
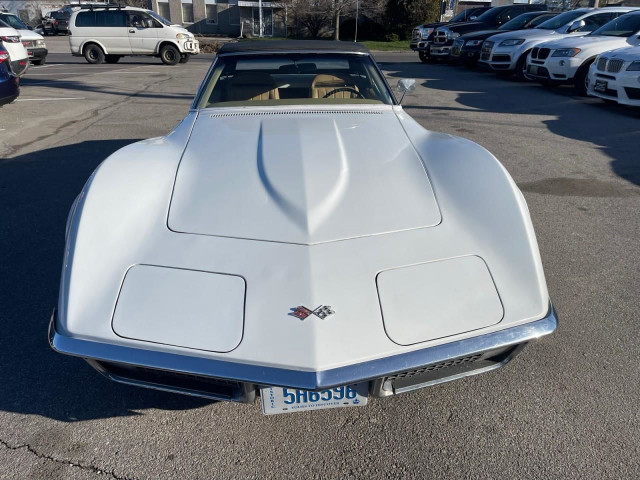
(300, 238)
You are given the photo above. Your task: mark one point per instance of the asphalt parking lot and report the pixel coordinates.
(567, 407)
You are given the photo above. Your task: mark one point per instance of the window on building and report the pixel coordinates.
(212, 13)
(187, 12)
(164, 10)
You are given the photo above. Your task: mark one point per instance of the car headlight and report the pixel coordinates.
(474, 43)
(452, 35)
(634, 67)
(512, 42)
(182, 36)
(426, 33)
(566, 52)
(40, 44)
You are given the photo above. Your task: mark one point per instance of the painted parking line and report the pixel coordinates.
(32, 67)
(48, 99)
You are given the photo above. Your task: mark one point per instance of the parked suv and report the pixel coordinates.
(108, 33)
(615, 76)
(32, 41)
(444, 36)
(568, 60)
(56, 22)
(467, 47)
(9, 83)
(18, 56)
(507, 53)
(422, 35)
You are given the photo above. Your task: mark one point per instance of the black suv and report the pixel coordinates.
(56, 22)
(422, 35)
(444, 36)
(466, 48)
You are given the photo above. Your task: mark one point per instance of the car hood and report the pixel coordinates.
(481, 35)
(30, 35)
(625, 53)
(300, 176)
(587, 41)
(526, 34)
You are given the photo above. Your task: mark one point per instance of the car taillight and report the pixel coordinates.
(10, 39)
(55, 23)
(3, 57)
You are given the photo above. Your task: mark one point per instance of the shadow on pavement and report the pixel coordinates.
(83, 86)
(36, 192)
(614, 128)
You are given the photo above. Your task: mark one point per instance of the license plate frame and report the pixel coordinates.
(273, 399)
(601, 86)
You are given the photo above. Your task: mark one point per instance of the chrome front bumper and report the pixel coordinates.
(387, 376)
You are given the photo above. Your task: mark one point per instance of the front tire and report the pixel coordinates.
(93, 54)
(581, 80)
(169, 55)
(185, 58)
(423, 57)
(40, 61)
(521, 67)
(112, 58)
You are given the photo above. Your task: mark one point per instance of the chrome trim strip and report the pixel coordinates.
(273, 376)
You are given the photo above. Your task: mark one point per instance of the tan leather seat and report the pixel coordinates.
(252, 86)
(323, 84)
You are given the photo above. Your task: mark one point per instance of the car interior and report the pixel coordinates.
(294, 79)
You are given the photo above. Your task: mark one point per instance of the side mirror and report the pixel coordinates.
(405, 86)
(575, 26)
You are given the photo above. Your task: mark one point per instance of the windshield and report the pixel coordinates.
(519, 22)
(465, 15)
(13, 21)
(624, 26)
(60, 15)
(561, 20)
(293, 79)
(490, 15)
(158, 17)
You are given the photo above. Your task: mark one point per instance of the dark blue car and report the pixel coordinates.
(9, 83)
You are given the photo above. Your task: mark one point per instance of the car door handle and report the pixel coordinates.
(132, 31)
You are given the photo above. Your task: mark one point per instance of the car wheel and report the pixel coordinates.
(112, 58)
(581, 80)
(423, 57)
(521, 67)
(185, 58)
(93, 54)
(169, 55)
(40, 61)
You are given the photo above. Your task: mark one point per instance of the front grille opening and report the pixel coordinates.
(632, 93)
(179, 382)
(404, 381)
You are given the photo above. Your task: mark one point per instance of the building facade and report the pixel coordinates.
(233, 18)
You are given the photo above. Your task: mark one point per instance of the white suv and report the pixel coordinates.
(18, 57)
(615, 76)
(108, 33)
(507, 52)
(568, 60)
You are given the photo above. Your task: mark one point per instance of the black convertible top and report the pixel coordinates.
(266, 46)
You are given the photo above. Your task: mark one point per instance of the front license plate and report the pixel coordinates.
(287, 400)
(533, 69)
(600, 86)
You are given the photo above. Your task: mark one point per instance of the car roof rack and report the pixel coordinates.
(102, 6)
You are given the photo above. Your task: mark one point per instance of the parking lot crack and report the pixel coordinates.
(61, 461)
